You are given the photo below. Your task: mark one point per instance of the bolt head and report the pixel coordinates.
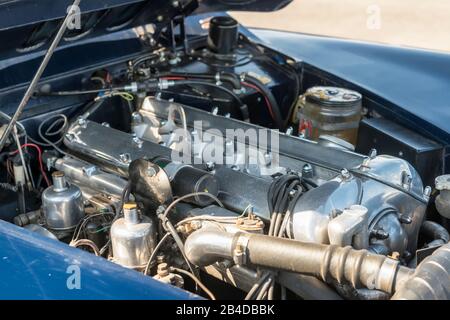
(195, 225)
(345, 174)
(380, 234)
(160, 210)
(82, 123)
(138, 142)
(151, 171)
(405, 219)
(406, 180)
(125, 157)
(70, 137)
(307, 170)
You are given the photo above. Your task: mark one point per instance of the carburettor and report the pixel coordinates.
(62, 204)
(133, 238)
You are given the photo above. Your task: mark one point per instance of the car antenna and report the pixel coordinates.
(71, 12)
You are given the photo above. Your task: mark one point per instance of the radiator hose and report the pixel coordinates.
(436, 232)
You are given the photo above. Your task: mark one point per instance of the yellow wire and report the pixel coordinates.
(125, 95)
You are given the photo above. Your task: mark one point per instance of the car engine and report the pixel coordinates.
(230, 170)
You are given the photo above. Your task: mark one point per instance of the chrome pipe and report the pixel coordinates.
(358, 267)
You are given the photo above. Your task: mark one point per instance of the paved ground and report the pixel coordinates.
(415, 23)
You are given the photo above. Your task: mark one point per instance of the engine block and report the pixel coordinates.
(389, 189)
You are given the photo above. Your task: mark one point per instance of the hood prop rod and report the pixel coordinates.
(72, 11)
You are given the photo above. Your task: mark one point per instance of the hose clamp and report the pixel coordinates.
(240, 249)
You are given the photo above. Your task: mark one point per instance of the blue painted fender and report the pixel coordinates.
(35, 267)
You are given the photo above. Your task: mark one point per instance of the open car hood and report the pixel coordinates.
(27, 25)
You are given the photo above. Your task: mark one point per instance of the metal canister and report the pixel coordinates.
(331, 111)
(193, 180)
(62, 204)
(133, 238)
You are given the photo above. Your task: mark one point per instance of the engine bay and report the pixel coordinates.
(230, 170)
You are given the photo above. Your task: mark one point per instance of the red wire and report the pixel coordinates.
(41, 165)
(173, 78)
(301, 125)
(310, 128)
(269, 105)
